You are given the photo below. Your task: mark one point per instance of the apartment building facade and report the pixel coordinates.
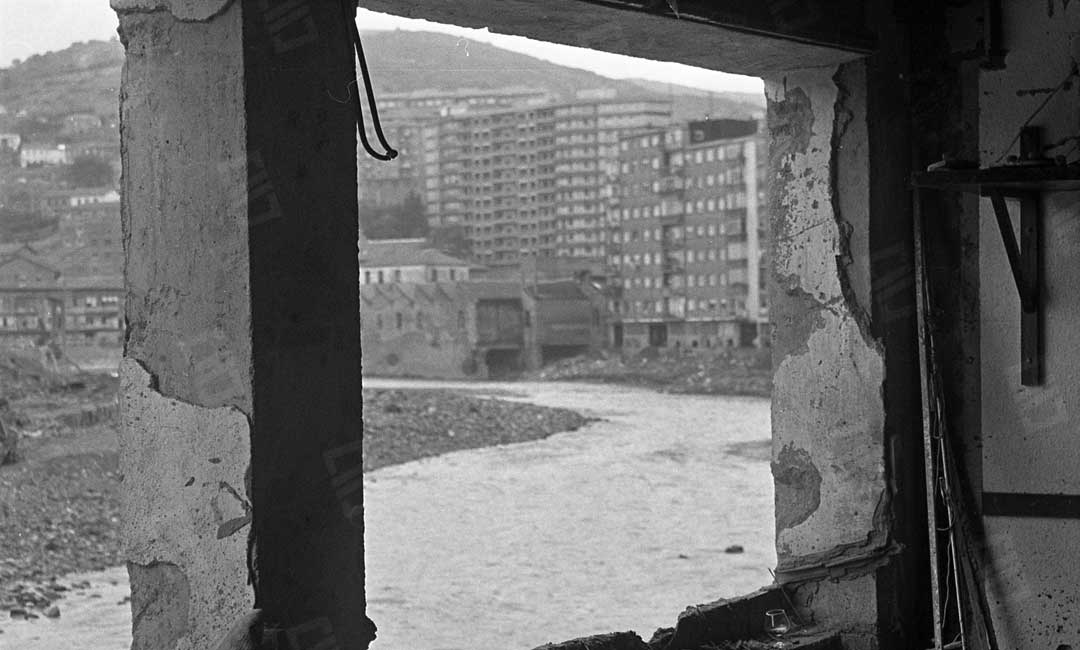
(531, 181)
(586, 166)
(492, 172)
(404, 115)
(686, 237)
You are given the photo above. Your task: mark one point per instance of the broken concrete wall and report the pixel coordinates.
(828, 412)
(1030, 444)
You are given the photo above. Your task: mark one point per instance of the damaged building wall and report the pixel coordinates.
(1030, 444)
(414, 330)
(827, 409)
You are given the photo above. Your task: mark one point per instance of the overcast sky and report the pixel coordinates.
(36, 26)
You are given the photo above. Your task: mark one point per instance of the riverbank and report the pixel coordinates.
(405, 425)
(718, 371)
(60, 505)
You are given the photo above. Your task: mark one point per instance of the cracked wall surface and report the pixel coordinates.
(184, 513)
(827, 409)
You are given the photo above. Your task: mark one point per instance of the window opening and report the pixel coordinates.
(623, 195)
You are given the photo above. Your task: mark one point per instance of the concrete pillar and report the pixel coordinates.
(241, 378)
(828, 413)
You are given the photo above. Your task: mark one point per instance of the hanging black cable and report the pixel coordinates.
(350, 20)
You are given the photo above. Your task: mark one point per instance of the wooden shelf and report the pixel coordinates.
(1011, 178)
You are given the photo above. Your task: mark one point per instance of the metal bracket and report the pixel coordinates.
(1025, 261)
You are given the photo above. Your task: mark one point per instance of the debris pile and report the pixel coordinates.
(717, 371)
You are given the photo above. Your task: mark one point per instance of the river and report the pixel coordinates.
(619, 525)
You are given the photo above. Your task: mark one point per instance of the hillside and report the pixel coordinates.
(86, 76)
(402, 61)
(82, 78)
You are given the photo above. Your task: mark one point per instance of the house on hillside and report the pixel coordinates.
(9, 147)
(27, 301)
(44, 153)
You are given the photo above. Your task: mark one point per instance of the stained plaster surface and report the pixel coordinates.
(827, 407)
(183, 503)
(1030, 442)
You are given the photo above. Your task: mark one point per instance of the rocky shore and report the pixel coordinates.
(721, 371)
(59, 504)
(404, 425)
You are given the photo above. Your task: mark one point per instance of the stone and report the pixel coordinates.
(53, 612)
(734, 548)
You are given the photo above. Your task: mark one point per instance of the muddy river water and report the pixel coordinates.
(617, 526)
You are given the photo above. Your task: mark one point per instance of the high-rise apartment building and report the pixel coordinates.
(687, 231)
(586, 164)
(492, 172)
(531, 181)
(384, 183)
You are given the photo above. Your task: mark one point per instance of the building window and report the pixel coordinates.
(434, 273)
(399, 319)
(397, 275)
(380, 276)
(453, 275)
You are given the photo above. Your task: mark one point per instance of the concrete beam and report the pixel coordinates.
(624, 30)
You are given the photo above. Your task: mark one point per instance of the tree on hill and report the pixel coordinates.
(89, 171)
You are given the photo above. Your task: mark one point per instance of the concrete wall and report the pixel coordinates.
(1030, 442)
(827, 409)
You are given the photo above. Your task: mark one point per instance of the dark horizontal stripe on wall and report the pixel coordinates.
(1014, 504)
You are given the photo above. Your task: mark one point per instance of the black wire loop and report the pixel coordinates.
(347, 7)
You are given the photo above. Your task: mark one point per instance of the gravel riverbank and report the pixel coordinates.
(59, 505)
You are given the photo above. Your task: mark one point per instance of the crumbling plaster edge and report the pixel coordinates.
(830, 292)
(194, 534)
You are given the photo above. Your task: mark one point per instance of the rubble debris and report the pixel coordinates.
(716, 371)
